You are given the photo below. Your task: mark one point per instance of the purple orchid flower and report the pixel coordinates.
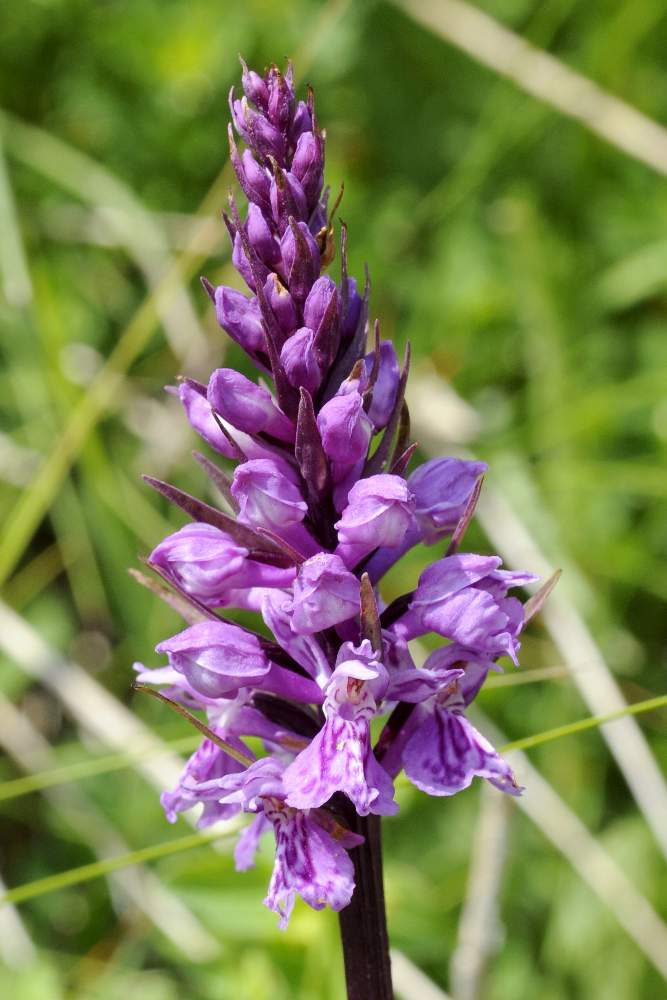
(464, 598)
(325, 503)
(207, 563)
(340, 758)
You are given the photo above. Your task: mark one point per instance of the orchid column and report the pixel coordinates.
(317, 504)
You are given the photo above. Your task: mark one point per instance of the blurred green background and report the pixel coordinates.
(526, 260)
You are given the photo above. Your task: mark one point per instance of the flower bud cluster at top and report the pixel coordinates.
(321, 504)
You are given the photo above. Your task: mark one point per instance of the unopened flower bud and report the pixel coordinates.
(247, 406)
(254, 87)
(244, 267)
(353, 312)
(287, 199)
(386, 384)
(299, 359)
(253, 178)
(257, 130)
(308, 165)
(240, 317)
(301, 122)
(301, 259)
(320, 314)
(282, 304)
(207, 563)
(281, 98)
(261, 238)
(198, 411)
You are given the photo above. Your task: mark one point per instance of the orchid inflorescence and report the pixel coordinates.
(321, 506)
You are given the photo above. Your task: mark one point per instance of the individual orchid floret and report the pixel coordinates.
(311, 856)
(442, 487)
(207, 563)
(199, 412)
(346, 433)
(241, 318)
(464, 598)
(247, 406)
(444, 751)
(325, 594)
(379, 512)
(340, 758)
(304, 649)
(301, 259)
(269, 496)
(217, 658)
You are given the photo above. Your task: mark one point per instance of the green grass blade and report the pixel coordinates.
(75, 876)
(91, 767)
(30, 508)
(582, 724)
(115, 762)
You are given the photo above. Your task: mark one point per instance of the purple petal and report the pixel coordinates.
(247, 406)
(325, 593)
(442, 487)
(207, 763)
(447, 752)
(248, 843)
(339, 759)
(216, 658)
(308, 862)
(379, 512)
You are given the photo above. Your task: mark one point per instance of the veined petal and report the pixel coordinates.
(308, 862)
(340, 759)
(447, 752)
(248, 843)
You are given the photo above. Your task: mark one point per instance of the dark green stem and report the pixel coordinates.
(363, 924)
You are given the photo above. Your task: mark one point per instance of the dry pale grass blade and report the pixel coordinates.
(136, 886)
(103, 393)
(512, 540)
(545, 77)
(124, 215)
(587, 856)
(479, 933)
(14, 272)
(578, 648)
(410, 982)
(96, 711)
(16, 948)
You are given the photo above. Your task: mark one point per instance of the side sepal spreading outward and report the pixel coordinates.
(321, 505)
